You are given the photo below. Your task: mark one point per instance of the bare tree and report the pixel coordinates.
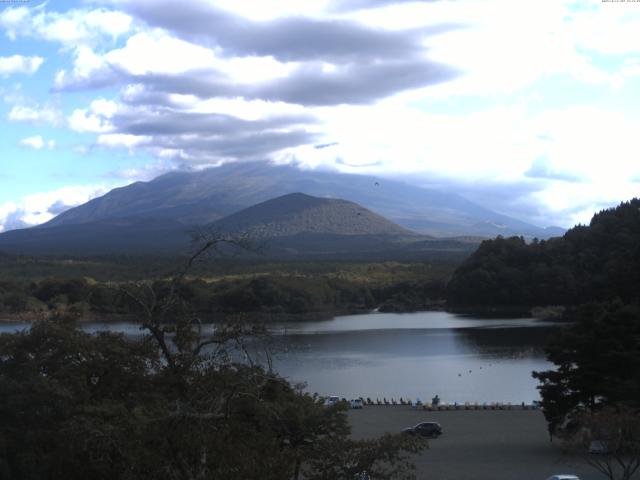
(168, 317)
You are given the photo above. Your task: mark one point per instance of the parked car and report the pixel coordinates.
(330, 401)
(563, 476)
(598, 446)
(357, 403)
(425, 429)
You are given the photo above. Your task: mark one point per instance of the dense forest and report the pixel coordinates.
(589, 263)
(31, 288)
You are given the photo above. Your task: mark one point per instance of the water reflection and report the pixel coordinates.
(410, 355)
(415, 355)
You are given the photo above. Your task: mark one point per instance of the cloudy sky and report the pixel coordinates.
(528, 107)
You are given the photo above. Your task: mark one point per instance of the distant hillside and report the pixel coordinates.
(126, 235)
(297, 213)
(291, 226)
(589, 263)
(198, 198)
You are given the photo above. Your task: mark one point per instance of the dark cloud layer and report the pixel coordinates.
(310, 84)
(164, 121)
(286, 39)
(203, 137)
(247, 146)
(353, 84)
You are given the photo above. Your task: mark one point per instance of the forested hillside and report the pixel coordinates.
(41, 287)
(589, 263)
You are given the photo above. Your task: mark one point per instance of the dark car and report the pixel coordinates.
(425, 429)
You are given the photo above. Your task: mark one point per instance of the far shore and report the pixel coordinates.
(552, 312)
(218, 317)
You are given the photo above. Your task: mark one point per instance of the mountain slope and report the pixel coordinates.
(132, 235)
(297, 213)
(198, 198)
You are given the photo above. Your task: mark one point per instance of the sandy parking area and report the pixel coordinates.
(477, 445)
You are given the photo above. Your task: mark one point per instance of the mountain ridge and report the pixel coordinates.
(287, 227)
(199, 198)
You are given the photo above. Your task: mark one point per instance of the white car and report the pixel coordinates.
(357, 403)
(330, 401)
(563, 476)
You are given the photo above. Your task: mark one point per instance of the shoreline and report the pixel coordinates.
(218, 317)
(552, 313)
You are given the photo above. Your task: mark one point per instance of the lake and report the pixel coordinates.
(421, 354)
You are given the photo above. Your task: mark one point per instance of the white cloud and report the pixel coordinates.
(118, 140)
(610, 29)
(94, 119)
(19, 64)
(34, 142)
(38, 143)
(599, 145)
(87, 66)
(41, 207)
(156, 52)
(238, 107)
(45, 114)
(145, 172)
(9, 217)
(74, 27)
(592, 152)
(269, 10)
(574, 203)
(502, 46)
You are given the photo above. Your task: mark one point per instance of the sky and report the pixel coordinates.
(527, 107)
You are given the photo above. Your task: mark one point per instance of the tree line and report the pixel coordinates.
(589, 263)
(269, 294)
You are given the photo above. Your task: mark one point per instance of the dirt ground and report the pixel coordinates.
(477, 445)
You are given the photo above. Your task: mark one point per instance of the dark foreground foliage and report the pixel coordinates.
(77, 406)
(597, 363)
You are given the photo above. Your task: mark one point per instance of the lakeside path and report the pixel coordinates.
(477, 444)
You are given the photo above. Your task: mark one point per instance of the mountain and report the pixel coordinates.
(291, 226)
(198, 198)
(302, 225)
(298, 213)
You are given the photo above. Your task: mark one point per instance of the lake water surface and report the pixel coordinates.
(378, 355)
(415, 355)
